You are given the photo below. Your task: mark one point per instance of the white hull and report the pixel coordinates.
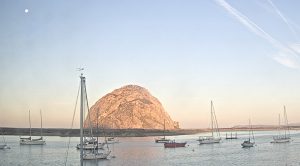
(90, 146)
(32, 142)
(112, 142)
(209, 140)
(96, 156)
(281, 140)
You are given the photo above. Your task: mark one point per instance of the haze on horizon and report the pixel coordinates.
(242, 55)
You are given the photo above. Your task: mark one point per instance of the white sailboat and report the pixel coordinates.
(248, 143)
(215, 133)
(163, 139)
(282, 138)
(94, 154)
(29, 140)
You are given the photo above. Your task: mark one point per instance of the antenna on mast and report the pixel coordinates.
(80, 69)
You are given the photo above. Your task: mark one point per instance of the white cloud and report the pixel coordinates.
(287, 56)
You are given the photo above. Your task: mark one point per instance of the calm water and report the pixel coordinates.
(143, 151)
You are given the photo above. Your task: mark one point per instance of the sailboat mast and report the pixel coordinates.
(252, 131)
(164, 129)
(286, 121)
(41, 124)
(97, 125)
(249, 129)
(82, 81)
(29, 125)
(211, 116)
(279, 127)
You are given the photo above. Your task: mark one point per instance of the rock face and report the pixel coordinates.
(129, 107)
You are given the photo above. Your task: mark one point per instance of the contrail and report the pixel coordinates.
(290, 54)
(283, 18)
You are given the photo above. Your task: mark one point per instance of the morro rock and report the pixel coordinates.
(129, 107)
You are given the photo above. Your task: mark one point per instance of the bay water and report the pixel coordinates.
(143, 151)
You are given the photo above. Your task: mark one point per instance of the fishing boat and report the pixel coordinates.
(247, 143)
(162, 139)
(33, 141)
(215, 133)
(173, 144)
(282, 138)
(93, 154)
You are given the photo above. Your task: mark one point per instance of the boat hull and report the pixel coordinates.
(90, 146)
(31, 142)
(174, 144)
(282, 140)
(162, 140)
(209, 140)
(96, 156)
(247, 144)
(4, 147)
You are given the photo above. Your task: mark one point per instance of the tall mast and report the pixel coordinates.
(279, 127)
(82, 83)
(249, 129)
(29, 125)
(41, 124)
(211, 117)
(284, 121)
(97, 125)
(164, 129)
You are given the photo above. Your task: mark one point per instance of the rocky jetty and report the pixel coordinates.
(129, 107)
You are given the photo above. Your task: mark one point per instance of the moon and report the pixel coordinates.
(26, 11)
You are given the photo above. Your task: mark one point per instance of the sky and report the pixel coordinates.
(243, 55)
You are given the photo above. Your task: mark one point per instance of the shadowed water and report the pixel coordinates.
(136, 151)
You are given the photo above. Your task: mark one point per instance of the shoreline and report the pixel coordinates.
(122, 132)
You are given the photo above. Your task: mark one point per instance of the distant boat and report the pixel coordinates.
(4, 145)
(231, 136)
(247, 143)
(91, 144)
(173, 144)
(31, 141)
(162, 139)
(282, 138)
(93, 154)
(111, 140)
(215, 134)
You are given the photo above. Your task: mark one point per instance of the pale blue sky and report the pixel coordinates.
(244, 55)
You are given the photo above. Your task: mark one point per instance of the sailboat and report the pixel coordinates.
(215, 134)
(162, 139)
(4, 145)
(247, 143)
(31, 141)
(94, 154)
(90, 143)
(113, 139)
(282, 138)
